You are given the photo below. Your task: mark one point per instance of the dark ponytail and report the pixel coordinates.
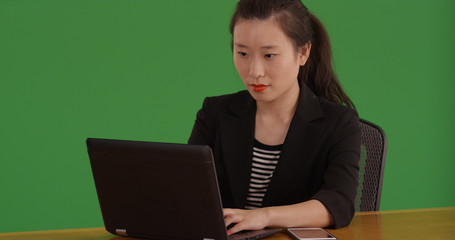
(318, 71)
(300, 26)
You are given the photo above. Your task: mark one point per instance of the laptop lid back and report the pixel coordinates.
(157, 190)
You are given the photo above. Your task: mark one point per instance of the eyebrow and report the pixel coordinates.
(263, 47)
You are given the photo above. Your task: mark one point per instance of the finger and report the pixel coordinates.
(233, 218)
(237, 228)
(228, 221)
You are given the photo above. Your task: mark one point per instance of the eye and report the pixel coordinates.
(269, 55)
(243, 54)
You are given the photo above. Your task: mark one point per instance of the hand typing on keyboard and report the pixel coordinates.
(245, 219)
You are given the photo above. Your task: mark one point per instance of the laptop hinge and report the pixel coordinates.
(121, 232)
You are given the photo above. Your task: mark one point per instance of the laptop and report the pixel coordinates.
(159, 191)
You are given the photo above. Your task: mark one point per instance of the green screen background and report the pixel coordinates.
(139, 70)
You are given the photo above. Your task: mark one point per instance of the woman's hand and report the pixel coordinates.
(245, 219)
(311, 213)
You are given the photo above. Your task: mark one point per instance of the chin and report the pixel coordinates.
(261, 96)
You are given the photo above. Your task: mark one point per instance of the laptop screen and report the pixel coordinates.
(157, 190)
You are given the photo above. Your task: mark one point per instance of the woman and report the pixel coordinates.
(286, 150)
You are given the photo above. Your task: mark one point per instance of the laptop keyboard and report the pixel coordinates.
(241, 234)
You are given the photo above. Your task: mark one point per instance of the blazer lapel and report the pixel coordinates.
(237, 132)
(300, 140)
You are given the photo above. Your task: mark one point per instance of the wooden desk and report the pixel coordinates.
(433, 223)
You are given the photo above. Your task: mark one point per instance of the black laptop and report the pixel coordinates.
(159, 191)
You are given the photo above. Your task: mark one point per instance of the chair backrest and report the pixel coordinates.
(371, 167)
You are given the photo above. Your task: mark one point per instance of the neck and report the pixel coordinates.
(282, 108)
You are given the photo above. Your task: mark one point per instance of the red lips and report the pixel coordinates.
(259, 87)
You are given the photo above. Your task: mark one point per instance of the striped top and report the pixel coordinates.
(265, 159)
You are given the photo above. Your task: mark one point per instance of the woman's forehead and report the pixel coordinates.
(259, 33)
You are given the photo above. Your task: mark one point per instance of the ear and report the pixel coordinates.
(304, 53)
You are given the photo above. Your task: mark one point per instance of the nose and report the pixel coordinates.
(257, 69)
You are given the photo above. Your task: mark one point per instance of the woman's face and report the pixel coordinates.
(266, 59)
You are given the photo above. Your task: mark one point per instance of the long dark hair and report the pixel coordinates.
(301, 26)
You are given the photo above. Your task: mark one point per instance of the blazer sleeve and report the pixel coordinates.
(340, 179)
(203, 132)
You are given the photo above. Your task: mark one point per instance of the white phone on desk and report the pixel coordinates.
(310, 234)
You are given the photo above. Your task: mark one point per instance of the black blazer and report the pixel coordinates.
(319, 159)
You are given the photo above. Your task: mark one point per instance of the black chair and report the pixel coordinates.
(371, 167)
